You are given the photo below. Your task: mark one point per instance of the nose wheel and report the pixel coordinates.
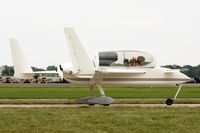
(170, 101)
(91, 104)
(106, 104)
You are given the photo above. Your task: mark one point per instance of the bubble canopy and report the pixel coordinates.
(126, 59)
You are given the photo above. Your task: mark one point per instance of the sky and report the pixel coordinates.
(169, 28)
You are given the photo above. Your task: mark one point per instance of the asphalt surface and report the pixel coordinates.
(83, 105)
(36, 84)
(68, 84)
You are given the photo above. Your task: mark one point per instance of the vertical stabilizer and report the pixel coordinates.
(80, 59)
(22, 68)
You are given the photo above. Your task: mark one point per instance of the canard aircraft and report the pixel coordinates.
(116, 68)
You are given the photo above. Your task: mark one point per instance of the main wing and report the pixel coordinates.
(120, 71)
(170, 71)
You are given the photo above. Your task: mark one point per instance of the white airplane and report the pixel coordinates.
(116, 68)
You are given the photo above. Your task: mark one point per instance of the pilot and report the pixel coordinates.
(133, 61)
(126, 62)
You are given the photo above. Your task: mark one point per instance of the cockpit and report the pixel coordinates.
(125, 58)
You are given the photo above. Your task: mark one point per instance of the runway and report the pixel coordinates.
(83, 105)
(68, 84)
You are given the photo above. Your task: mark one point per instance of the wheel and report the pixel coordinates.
(91, 104)
(169, 101)
(106, 104)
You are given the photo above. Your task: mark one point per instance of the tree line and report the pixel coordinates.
(190, 71)
(9, 70)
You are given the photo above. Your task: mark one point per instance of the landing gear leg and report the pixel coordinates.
(101, 90)
(170, 101)
(102, 93)
(91, 91)
(91, 101)
(91, 94)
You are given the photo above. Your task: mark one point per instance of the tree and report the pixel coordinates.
(192, 71)
(37, 69)
(8, 71)
(49, 68)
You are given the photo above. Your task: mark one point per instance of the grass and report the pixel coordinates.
(100, 120)
(64, 95)
(117, 101)
(115, 92)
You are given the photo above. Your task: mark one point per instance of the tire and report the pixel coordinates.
(169, 101)
(91, 104)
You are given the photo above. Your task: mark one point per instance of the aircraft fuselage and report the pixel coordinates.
(151, 77)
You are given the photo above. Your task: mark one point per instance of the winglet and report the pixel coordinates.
(82, 64)
(21, 67)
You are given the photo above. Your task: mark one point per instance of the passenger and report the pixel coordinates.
(133, 61)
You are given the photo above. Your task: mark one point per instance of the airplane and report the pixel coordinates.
(116, 68)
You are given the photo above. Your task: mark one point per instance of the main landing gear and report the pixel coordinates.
(91, 101)
(170, 101)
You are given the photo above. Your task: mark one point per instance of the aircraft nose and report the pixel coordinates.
(185, 77)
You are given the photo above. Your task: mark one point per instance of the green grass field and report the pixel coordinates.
(115, 92)
(100, 120)
(35, 95)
